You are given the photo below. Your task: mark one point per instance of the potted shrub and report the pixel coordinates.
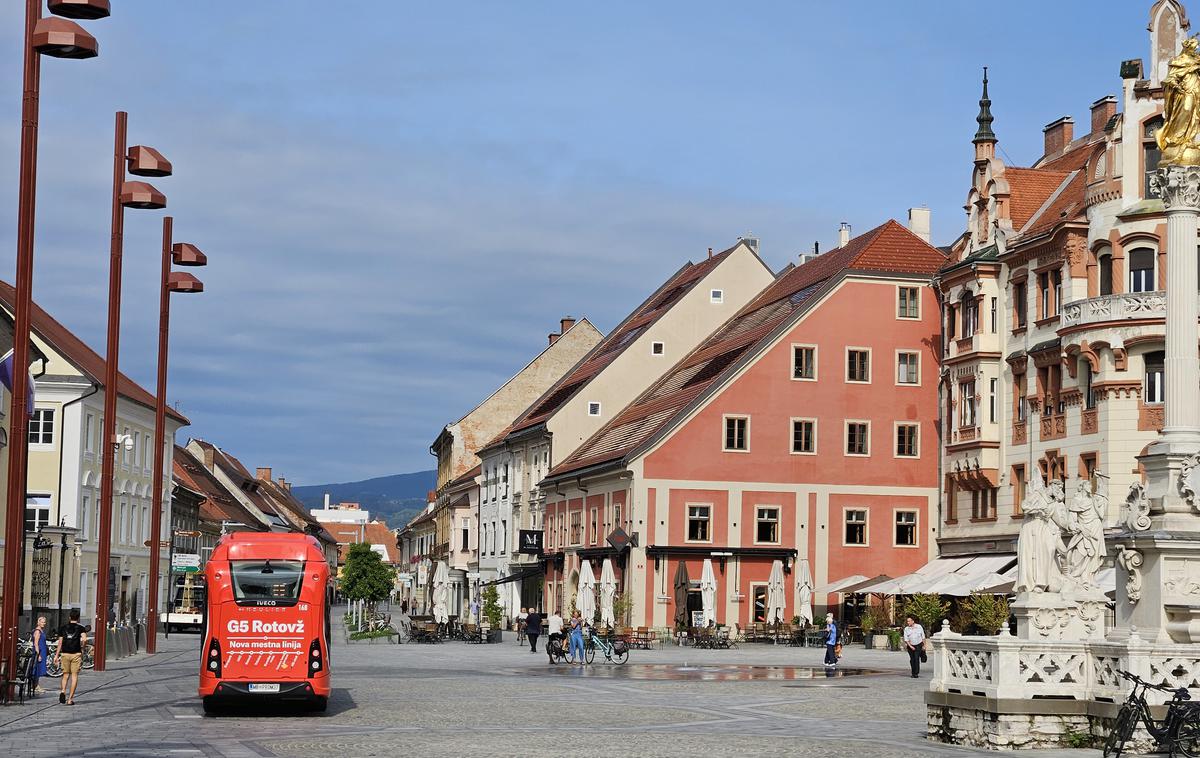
(989, 613)
(493, 613)
(873, 620)
(894, 636)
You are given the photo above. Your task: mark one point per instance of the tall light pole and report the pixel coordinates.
(182, 254)
(57, 38)
(140, 161)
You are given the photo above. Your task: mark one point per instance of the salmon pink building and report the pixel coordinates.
(802, 431)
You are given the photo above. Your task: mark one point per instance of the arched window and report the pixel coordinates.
(1141, 270)
(1150, 153)
(1104, 263)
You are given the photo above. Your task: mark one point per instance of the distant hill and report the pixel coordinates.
(394, 499)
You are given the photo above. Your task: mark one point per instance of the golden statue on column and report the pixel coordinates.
(1181, 120)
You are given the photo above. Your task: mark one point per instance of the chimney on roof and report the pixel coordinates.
(430, 496)
(285, 484)
(263, 473)
(918, 222)
(1059, 134)
(1102, 111)
(565, 323)
(843, 234)
(326, 501)
(710, 252)
(553, 337)
(208, 457)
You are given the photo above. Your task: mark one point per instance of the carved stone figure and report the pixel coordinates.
(1131, 561)
(1039, 544)
(1136, 511)
(1181, 121)
(1085, 548)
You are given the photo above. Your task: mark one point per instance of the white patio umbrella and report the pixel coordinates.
(804, 587)
(441, 593)
(708, 592)
(585, 593)
(608, 590)
(775, 598)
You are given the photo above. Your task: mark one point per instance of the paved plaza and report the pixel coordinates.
(499, 700)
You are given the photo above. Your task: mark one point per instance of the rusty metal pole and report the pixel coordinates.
(108, 435)
(18, 438)
(160, 424)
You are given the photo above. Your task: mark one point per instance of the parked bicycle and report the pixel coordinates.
(54, 667)
(1179, 731)
(615, 651)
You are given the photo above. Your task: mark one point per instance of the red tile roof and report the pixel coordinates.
(1067, 205)
(77, 352)
(219, 504)
(374, 533)
(886, 248)
(615, 343)
(1030, 189)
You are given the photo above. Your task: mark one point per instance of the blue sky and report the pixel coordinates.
(400, 200)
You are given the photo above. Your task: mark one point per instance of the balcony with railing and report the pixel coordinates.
(1124, 307)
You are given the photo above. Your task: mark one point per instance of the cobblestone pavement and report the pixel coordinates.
(455, 699)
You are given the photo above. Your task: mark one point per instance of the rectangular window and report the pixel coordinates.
(858, 435)
(1089, 392)
(970, 316)
(466, 535)
(37, 512)
(906, 528)
(1020, 303)
(716, 296)
(1020, 400)
(657, 348)
(124, 450)
(966, 404)
(503, 537)
(1018, 488)
(766, 525)
(698, 518)
(1058, 292)
(1153, 390)
(992, 400)
(89, 434)
(858, 366)
(907, 443)
(41, 426)
(907, 368)
(804, 362)
(595, 531)
(856, 527)
(804, 435)
(617, 516)
(593, 409)
(993, 315)
(908, 304)
(1141, 270)
(737, 433)
(1044, 288)
(983, 504)
(85, 519)
(576, 527)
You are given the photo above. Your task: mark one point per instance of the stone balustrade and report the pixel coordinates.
(1123, 307)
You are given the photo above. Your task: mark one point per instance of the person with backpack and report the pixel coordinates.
(71, 639)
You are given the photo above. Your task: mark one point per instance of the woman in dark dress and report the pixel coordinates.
(41, 649)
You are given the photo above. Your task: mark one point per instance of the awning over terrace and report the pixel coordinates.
(945, 576)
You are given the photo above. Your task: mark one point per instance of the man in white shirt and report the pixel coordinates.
(554, 627)
(914, 642)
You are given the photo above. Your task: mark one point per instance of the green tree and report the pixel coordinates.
(491, 606)
(365, 576)
(928, 610)
(622, 607)
(988, 612)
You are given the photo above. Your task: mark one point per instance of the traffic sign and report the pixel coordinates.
(189, 563)
(161, 543)
(186, 533)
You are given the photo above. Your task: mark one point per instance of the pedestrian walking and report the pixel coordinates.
(41, 651)
(71, 639)
(533, 628)
(914, 642)
(577, 638)
(519, 624)
(831, 640)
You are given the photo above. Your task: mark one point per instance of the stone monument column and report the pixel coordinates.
(1158, 555)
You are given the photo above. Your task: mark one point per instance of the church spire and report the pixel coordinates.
(984, 133)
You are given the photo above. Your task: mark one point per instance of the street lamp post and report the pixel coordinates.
(59, 38)
(182, 254)
(140, 161)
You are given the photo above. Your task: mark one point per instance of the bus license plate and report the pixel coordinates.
(266, 688)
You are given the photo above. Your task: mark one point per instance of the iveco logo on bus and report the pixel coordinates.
(242, 626)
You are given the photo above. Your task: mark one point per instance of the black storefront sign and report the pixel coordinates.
(531, 542)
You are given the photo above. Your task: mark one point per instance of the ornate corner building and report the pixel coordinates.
(1053, 309)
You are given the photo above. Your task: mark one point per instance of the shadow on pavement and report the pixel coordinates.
(340, 701)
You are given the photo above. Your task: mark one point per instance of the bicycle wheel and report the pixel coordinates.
(1187, 735)
(89, 656)
(620, 656)
(1122, 730)
(53, 668)
(589, 653)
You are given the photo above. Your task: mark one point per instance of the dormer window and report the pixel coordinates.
(657, 348)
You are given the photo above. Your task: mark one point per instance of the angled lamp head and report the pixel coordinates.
(142, 195)
(60, 38)
(146, 161)
(187, 254)
(181, 281)
(86, 9)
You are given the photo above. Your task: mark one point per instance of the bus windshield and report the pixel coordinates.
(266, 582)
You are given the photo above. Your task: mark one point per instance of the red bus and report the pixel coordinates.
(266, 626)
